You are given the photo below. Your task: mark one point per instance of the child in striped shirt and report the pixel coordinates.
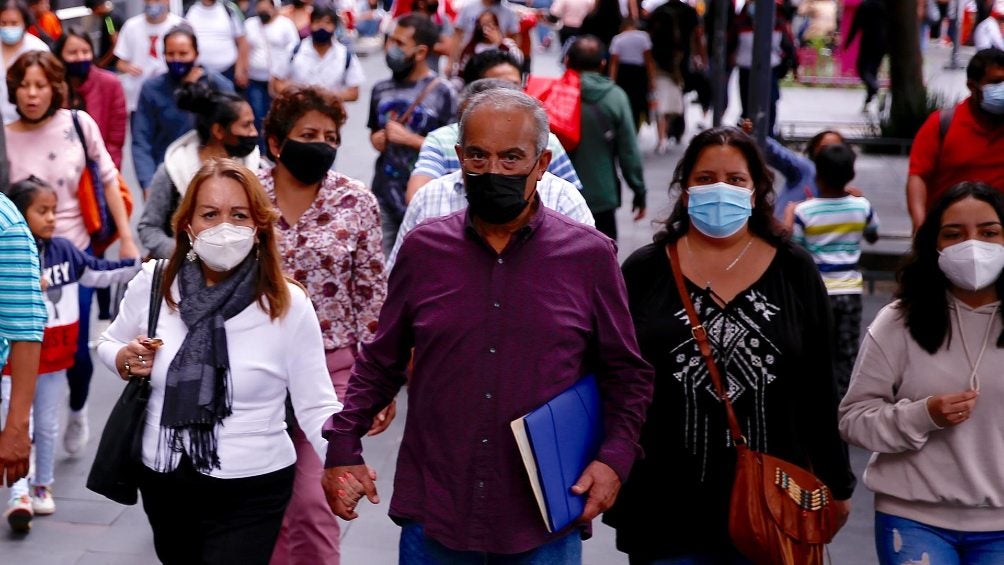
(831, 228)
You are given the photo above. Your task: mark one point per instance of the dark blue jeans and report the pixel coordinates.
(79, 375)
(260, 101)
(416, 549)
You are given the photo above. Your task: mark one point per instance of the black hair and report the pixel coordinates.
(74, 100)
(923, 287)
(761, 222)
(586, 53)
(209, 106)
(321, 12)
(812, 146)
(183, 29)
(21, 7)
(426, 31)
(23, 192)
(479, 64)
(984, 58)
(834, 167)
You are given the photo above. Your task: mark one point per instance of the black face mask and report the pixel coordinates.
(265, 17)
(244, 146)
(307, 162)
(495, 198)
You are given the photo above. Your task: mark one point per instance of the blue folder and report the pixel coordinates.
(557, 441)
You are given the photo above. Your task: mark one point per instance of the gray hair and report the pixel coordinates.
(500, 99)
(483, 85)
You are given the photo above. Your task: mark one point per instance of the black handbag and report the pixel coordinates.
(115, 471)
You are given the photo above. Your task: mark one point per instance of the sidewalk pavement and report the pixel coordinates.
(88, 530)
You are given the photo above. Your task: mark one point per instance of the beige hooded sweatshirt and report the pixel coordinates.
(949, 478)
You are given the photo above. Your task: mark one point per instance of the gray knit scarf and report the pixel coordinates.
(197, 397)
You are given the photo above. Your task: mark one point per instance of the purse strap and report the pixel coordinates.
(403, 118)
(80, 134)
(156, 296)
(701, 336)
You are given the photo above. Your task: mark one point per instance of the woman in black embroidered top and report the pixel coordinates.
(768, 322)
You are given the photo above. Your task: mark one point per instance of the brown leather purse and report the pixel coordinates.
(780, 513)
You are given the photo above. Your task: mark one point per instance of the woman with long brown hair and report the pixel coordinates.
(234, 336)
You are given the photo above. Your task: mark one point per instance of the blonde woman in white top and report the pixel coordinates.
(236, 336)
(926, 391)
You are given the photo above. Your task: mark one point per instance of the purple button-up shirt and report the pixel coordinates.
(495, 335)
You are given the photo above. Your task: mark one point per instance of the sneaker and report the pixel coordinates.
(19, 513)
(77, 432)
(663, 147)
(42, 502)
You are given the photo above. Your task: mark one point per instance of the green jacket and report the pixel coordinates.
(594, 157)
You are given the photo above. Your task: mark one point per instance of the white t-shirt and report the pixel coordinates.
(269, 45)
(307, 67)
(217, 30)
(467, 19)
(30, 43)
(988, 34)
(142, 44)
(571, 12)
(630, 46)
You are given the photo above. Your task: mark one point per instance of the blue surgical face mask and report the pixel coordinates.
(719, 210)
(10, 35)
(154, 11)
(993, 99)
(179, 69)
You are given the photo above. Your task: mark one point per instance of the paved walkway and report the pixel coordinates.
(88, 530)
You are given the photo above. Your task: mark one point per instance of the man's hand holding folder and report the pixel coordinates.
(602, 485)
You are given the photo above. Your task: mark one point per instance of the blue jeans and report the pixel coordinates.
(416, 549)
(44, 426)
(79, 375)
(727, 556)
(260, 102)
(899, 540)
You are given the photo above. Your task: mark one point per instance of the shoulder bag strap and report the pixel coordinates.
(156, 295)
(403, 118)
(701, 336)
(80, 134)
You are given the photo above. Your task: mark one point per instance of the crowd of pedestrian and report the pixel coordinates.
(478, 268)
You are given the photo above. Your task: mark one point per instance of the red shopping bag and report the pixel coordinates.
(562, 100)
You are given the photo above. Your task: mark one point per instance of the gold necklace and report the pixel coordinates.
(686, 241)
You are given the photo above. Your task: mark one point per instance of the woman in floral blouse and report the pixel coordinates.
(329, 238)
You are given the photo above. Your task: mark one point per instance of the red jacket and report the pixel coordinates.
(105, 102)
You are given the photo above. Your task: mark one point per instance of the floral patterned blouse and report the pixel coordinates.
(335, 251)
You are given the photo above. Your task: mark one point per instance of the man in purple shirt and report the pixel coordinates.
(506, 304)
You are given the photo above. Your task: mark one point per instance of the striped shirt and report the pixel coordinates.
(22, 312)
(831, 230)
(446, 195)
(438, 156)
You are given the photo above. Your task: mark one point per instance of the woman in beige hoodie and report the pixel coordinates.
(927, 391)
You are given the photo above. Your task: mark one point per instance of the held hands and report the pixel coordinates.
(136, 358)
(601, 484)
(15, 448)
(345, 486)
(397, 133)
(379, 140)
(951, 409)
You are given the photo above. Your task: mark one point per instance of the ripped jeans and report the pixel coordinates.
(900, 541)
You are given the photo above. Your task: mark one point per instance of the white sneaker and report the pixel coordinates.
(663, 147)
(42, 502)
(19, 513)
(77, 431)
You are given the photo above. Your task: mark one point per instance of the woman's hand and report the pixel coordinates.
(492, 34)
(951, 409)
(136, 358)
(128, 249)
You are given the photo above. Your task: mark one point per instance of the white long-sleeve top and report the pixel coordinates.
(949, 478)
(267, 358)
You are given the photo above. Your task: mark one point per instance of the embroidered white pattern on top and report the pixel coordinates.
(747, 359)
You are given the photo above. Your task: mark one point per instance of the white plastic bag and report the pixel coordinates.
(648, 137)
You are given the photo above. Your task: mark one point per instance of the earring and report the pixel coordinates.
(190, 256)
